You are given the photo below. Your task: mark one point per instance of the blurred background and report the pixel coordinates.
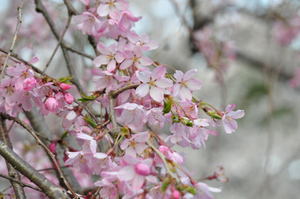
(247, 52)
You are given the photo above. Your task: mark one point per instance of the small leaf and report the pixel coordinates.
(90, 121)
(87, 98)
(167, 106)
(65, 79)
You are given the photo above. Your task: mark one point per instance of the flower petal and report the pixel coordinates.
(157, 94)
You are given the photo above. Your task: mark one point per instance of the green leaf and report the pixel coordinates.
(90, 121)
(65, 79)
(165, 184)
(87, 98)
(191, 190)
(167, 106)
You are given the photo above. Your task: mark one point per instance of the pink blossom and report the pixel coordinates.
(154, 83)
(88, 156)
(136, 144)
(135, 172)
(136, 59)
(109, 7)
(132, 115)
(29, 83)
(229, 117)
(89, 24)
(186, 84)
(109, 56)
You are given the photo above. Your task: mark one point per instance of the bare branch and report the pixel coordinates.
(19, 191)
(41, 9)
(50, 189)
(59, 42)
(19, 22)
(47, 150)
(20, 183)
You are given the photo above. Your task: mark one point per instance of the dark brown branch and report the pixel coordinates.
(50, 189)
(117, 92)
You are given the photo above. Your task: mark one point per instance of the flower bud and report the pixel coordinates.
(142, 169)
(176, 194)
(51, 104)
(65, 86)
(29, 83)
(69, 98)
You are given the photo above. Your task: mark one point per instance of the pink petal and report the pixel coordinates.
(185, 93)
(111, 65)
(158, 72)
(103, 10)
(126, 173)
(230, 126)
(157, 94)
(236, 114)
(194, 84)
(142, 90)
(137, 182)
(178, 75)
(143, 76)
(189, 74)
(102, 59)
(125, 64)
(164, 83)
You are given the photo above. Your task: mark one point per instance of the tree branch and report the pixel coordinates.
(47, 150)
(41, 9)
(19, 22)
(50, 189)
(19, 191)
(20, 183)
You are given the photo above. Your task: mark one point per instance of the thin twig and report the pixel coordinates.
(58, 43)
(20, 183)
(50, 189)
(19, 191)
(41, 9)
(47, 150)
(117, 92)
(19, 22)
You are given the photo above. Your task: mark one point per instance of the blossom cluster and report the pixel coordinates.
(21, 89)
(140, 163)
(124, 148)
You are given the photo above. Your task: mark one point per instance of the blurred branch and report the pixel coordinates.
(47, 150)
(22, 184)
(19, 22)
(39, 125)
(58, 43)
(50, 189)
(13, 174)
(41, 9)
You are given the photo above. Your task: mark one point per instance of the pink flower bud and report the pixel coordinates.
(65, 86)
(51, 104)
(29, 83)
(176, 194)
(142, 169)
(165, 150)
(52, 147)
(69, 98)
